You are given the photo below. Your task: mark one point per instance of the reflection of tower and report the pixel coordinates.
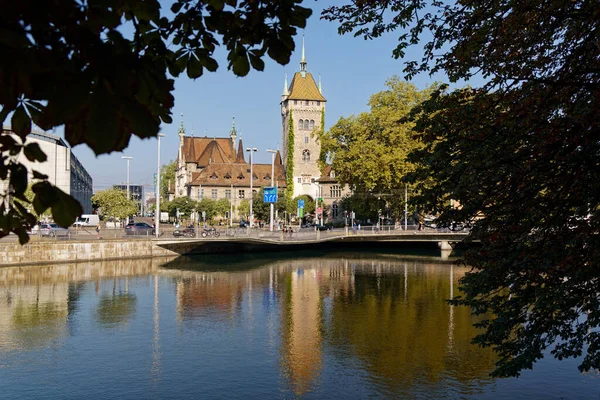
(301, 348)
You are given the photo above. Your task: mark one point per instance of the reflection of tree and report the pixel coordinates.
(38, 324)
(403, 338)
(117, 308)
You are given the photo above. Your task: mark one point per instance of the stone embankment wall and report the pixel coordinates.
(73, 251)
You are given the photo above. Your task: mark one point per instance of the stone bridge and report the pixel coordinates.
(335, 240)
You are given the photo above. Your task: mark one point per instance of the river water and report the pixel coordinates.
(343, 326)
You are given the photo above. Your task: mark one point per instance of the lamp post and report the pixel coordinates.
(128, 158)
(157, 204)
(273, 152)
(251, 150)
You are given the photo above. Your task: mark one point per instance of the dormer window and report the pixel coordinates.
(332, 174)
(227, 176)
(267, 177)
(213, 176)
(254, 177)
(240, 176)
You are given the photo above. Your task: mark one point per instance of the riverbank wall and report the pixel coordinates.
(75, 251)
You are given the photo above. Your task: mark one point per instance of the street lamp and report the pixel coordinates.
(273, 152)
(157, 203)
(128, 159)
(251, 150)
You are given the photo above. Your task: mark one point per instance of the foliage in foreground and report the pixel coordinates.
(70, 65)
(520, 154)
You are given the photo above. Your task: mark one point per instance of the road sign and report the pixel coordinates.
(300, 212)
(319, 210)
(300, 203)
(270, 194)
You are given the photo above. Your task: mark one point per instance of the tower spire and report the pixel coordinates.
(285, 87)
(320, 87)
(181, 128)
(303, 59)
(233, 132)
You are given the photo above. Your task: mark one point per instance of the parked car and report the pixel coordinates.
(139, 229)
(322, 227)
(53, 230)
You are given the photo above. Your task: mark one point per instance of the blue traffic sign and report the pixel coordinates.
(301, 203)
(270, 195)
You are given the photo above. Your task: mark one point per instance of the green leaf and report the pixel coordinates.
(257, 62)
(240, 64)
(20, 122)
(66, 209)
(194, 68)
(33, 152)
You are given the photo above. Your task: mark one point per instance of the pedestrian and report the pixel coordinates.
(98, 231)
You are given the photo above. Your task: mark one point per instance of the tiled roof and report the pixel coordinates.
(238, 175)
(326, 176)
(304, 88)
(240, 155)
(203, 150)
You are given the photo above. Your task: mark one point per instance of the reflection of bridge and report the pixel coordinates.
(273, 241)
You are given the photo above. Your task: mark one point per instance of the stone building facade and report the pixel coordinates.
(63, 169)
(213, 168)
(302, 103)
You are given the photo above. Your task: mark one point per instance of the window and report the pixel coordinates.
(241, 193)
(200, 193)
(213, 176)
(306, 156)
(299, 180)
(335, 191)
(305, 124)
(305, 139)
(307, 103)
(306, 179)
(312, 180)
(228, 193)
(301, 124)
(334, 210)
(295, 102)
(332, 174)
(318, 103)
(214, 193)
(312, 124)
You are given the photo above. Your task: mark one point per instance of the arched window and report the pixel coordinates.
(305, 124)
(335, 210)
(301, 124)
(306, 156)
(305, 139)
(312, 124)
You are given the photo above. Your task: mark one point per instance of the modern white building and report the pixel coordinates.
(63, 169)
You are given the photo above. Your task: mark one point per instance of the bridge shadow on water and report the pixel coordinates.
(244, 261)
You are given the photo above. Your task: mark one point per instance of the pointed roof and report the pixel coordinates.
(304, 88)
(278, 160)
(203, 150)
(240, 153)
(233, 132)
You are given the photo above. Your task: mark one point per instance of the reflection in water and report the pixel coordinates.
(346, 327)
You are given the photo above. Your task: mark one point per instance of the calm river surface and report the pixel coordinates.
(337, 326)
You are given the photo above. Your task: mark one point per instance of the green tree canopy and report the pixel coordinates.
(520, 154)
(244, 209)
(184, 205)
(70, 65)
(114, 203)
(167, 176)
(369, 151)
(222, 207)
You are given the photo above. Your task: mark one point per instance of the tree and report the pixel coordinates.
(71, 65)
(167, 176)
(182, 205)
(208, 206)
(387, 134)
(309, 204)
(244, 209)
(222, 207)
(114, 203)
(519, 154)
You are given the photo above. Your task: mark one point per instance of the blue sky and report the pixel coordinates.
(351, 70)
